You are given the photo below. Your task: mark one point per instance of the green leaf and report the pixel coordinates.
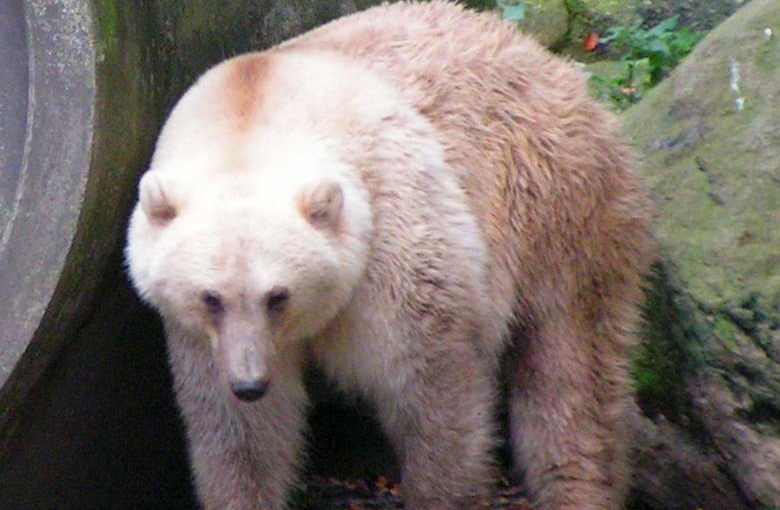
(666, 25)
(610, 36)
(513, 12)
(657, 46)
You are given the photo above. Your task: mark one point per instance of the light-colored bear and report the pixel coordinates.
(404, 197)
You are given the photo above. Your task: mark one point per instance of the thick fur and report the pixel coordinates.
(430, 190)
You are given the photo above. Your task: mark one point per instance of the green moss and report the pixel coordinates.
(726, 331)
(547, 20)
(664, 357)
(480, 5)
(107, 19)
(612, 7)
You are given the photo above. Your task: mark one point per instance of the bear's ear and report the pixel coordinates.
(321, 204)
(155, 199)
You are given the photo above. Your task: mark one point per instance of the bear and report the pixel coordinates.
(424, 203)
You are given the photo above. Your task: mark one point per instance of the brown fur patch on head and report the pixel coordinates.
(243, 80)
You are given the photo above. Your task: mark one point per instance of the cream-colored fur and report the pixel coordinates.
(400, 197)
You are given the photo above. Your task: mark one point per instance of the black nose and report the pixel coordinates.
(249, 391)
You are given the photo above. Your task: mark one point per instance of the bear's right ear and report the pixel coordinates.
(155, 199)
(321, 204)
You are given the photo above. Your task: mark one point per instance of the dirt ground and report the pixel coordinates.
(700, 15)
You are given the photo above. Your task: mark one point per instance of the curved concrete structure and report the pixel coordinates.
(66, 183)
(13, 109)
(51, 133)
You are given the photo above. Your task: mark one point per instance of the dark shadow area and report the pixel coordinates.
(100, 430)
(346, 440)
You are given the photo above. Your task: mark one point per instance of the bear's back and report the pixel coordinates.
(542, 163)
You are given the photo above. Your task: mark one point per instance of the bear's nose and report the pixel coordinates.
(251, 390)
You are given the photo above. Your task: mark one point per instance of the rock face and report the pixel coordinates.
(709, 374)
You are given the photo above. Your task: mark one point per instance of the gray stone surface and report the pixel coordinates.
(13, 106)
(43, 191)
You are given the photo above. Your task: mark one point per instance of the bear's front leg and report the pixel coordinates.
(441, 422)
(248, 460)
(244, 456)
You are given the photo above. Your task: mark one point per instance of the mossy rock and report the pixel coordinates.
(709, 141)
(561, 24)
(547, 20)
(595, 14)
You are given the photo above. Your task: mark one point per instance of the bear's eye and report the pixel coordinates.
(277, 299)
(213, 302)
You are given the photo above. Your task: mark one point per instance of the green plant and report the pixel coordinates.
(619, 91)
(512, 10)
(647, 57)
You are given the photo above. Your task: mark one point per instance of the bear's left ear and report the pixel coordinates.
(321, 204)
(155, 199)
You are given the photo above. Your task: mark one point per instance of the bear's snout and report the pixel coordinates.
(251, 390)
(242, 356)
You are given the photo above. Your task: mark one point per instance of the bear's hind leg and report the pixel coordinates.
(568, 395)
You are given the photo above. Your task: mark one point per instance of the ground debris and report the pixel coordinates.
(325, 493)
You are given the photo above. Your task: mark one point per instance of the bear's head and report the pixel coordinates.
(250, 235)
(248, 274)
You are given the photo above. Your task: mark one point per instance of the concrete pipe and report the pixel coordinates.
(76, 126)
(66, 181)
